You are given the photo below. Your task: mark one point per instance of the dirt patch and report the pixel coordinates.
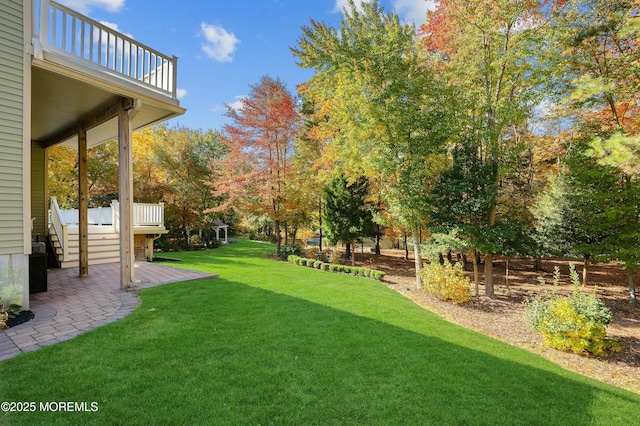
(503, 317)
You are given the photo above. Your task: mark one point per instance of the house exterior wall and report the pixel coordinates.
(11, 127)
(14, 122)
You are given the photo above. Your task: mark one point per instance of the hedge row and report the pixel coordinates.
(345, 269)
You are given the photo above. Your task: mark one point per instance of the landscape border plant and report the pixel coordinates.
(330, 267)
(575, 322)
(288, 249)
(446, 281)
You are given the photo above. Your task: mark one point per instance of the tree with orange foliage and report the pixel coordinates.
(260, 147)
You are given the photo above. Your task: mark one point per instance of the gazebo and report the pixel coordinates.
(217, 226)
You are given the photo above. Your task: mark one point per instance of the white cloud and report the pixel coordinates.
(410, 11)
(413, 11)
(237, 104)
(115, 28)
(219, 44)
(85, 6)
(344, 4)
(181, 93)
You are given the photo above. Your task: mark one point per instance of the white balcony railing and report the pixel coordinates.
(59, 226)
(148, 214)
(144, 214)
(66, 32)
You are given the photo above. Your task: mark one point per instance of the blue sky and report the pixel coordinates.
(223, 46)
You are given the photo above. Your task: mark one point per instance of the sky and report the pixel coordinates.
(224, 46)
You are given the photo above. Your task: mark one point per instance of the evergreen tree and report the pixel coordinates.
(553, 219)
(607, 206)
(347, 216)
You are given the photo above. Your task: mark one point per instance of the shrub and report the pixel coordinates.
(378, 275)
(576, 322)
(323, 266)
(288, 249)
(311, 252)
(446, 281)
(334, 256)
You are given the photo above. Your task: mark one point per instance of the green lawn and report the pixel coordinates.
(274, 343)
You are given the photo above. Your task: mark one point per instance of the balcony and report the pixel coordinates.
(80, 68)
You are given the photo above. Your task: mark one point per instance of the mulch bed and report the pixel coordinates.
(503, 317)
(21, 318)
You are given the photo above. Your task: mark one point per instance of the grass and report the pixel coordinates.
(275, 343)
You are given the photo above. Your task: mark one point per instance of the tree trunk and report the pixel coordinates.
(353, 255)
(186, 232)
(537, 264)
(506, 273)
(277, 236)
(286, 232)
(348, 250)
(632, 286)
(406, 248)
(585, 270)
(417, 258)
(462, 260)
(377, 240)
(488, 276)
(320, 217)
(476, 272)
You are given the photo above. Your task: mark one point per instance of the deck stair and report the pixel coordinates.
(103, 236)
(104, 246)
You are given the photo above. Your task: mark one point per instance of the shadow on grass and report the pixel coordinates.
(223, 352)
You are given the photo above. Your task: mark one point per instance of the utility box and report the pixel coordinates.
(38, 262)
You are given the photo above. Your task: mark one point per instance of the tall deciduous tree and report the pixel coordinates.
(310, 171)
(487, 50)
(379, 104)
(63, 176)
(186, 158)
(260, 142)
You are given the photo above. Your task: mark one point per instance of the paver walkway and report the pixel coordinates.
(73, 305)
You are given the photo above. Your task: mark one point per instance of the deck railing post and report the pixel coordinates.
(43, 26)
(174, 78)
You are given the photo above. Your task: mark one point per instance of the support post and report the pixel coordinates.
(83, 203)
(125, 196)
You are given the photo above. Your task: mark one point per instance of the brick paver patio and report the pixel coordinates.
(73, 305)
